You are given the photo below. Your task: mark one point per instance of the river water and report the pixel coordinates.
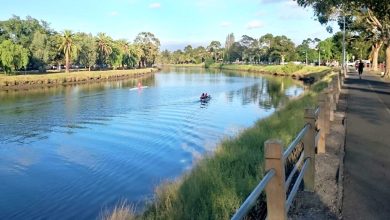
(72, 152)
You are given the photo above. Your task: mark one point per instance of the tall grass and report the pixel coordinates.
(123, 211)
(216, 187)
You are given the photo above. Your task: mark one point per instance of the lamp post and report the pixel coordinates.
(344, 66)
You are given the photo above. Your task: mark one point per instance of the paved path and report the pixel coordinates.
(367, 152)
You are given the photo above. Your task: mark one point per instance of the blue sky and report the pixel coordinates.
(175, 22)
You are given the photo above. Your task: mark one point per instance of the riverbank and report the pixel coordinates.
(296, 71)
(221, 181)
(53, 79)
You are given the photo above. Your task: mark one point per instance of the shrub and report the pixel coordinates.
(291, 68)
(208, 62)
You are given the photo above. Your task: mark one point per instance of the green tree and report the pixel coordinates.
(228, 43)
(12, 56)
(305, 50)
(88, 48)
(21, 31)
(150, 46)
(68, 47)
(214, 49)
(165, 57)
(325, 48)
(375, 13)
(235, 52)
(135, 54)
(282, 47)
(104, 46)
(43, 50)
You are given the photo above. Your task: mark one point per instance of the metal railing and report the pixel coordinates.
(271, 173)
(274, 182)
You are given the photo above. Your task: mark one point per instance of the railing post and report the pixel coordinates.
(321, 123)
(338, 89)
(331, 93)
(309, 150)
(327, 111)
(275, 189)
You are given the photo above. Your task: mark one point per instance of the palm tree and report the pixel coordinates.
(104, 47)
(124, 47)
(68, 47)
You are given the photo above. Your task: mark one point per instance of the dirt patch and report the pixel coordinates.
(325, 202)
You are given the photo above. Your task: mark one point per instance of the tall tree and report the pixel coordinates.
(68, 47)
(150, 46)
(281, 47)
(88, 50)
(214, 49)
(325, 48)
(40, 51)
(376, 13)
(104, 45)
(228, 43)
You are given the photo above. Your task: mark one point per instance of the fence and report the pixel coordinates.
(312, 137)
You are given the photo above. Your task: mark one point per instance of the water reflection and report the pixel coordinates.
(30, 114)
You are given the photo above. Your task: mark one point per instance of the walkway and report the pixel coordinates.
(367, 152)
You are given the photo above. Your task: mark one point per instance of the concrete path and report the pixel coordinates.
(367, 151)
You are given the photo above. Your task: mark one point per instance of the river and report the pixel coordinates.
(71, 152)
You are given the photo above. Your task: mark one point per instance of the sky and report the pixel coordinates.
(176, 23)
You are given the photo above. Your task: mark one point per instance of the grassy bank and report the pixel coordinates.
(282, 70)
(49, 79)
(220, 182)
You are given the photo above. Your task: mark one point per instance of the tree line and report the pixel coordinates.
(30, 44)
(270, 49)
(367, 21)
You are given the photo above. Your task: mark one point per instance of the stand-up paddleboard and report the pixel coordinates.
(138, 88)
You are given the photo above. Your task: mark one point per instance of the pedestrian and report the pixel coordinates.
(361, 67)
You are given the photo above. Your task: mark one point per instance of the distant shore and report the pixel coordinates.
(19, 82)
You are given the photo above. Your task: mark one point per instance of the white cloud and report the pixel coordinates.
(225, 24)
(155, 5)
(254, 24)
